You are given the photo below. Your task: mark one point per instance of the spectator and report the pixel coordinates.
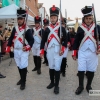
(2, 37)
(72, 37)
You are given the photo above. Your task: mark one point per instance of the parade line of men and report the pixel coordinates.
(55, 46)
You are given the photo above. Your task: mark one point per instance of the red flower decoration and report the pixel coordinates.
(37, 17)
(53, 8)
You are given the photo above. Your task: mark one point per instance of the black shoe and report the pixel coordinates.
(2, 76)
(88, 88)
(22, 87)
(79, 90)
(63, 74)
(19, 82)
(38, 71)
(56, 90)
(77, 74)
(35, 69)
(51, 85)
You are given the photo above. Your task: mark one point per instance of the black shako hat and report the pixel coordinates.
(87, 10)
(54, 11)
(21, 13)
(63, 20)
(37, 19)
(45, 21)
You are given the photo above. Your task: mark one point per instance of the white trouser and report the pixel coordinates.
(54, 59)
(65, 53)
(36, 49)
(21, 58)
(87, 60)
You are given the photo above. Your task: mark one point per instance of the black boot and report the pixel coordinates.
(51, 73)
(44, 57)
(19, 82)
(46, 60)
(2, 76)
(38, 65)
(57, 78)
(81, 80)
(90, 76)
(64, 67)
(23, 78)
(35, 62)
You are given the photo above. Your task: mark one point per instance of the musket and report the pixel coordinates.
(60, 21)
(25, 27)
(41, 25)
(97, 34)
(66, 15)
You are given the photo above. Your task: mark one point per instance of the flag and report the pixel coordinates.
(9, 2)
(76, 25)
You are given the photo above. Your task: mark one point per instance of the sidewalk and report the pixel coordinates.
(36, 84)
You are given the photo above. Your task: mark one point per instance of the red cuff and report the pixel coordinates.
(28, 47)
(68, 43)
(74, 53)
(63, 48)
(99, 46)
(8, 49)
(42, 51)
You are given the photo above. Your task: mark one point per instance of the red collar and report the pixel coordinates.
(87, 27)
(53, 26)
(21, 27)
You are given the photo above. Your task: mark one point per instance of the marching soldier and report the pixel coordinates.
(21, 48)
(55, 48)
(37, 34)
(64, 60)
(46, 23)
(85, 46)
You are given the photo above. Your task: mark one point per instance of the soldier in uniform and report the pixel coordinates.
(55, 48)
(85, 46)
(37, 34)
(64, 60)
(46, 23)
(21, 48)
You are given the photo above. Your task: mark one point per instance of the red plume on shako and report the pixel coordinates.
(53, 8)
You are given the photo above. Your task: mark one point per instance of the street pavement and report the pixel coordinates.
(36, 84)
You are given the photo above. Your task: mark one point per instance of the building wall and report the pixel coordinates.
(32, 4)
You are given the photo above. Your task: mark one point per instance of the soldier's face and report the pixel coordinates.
(88, 20)
(63, 25)
(37, 24)
(53, 19)
(20, 21)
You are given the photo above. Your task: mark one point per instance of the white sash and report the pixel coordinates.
(52, 31)
(20, 35)
(36, 33)
(88, 34)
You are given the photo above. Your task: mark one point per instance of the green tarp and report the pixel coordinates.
(9, 2)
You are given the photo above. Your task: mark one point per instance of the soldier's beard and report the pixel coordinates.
(20, 24)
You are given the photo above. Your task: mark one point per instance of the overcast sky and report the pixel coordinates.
(73, 6)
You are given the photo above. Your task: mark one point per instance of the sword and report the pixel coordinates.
(97, 34)
(25, 27)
